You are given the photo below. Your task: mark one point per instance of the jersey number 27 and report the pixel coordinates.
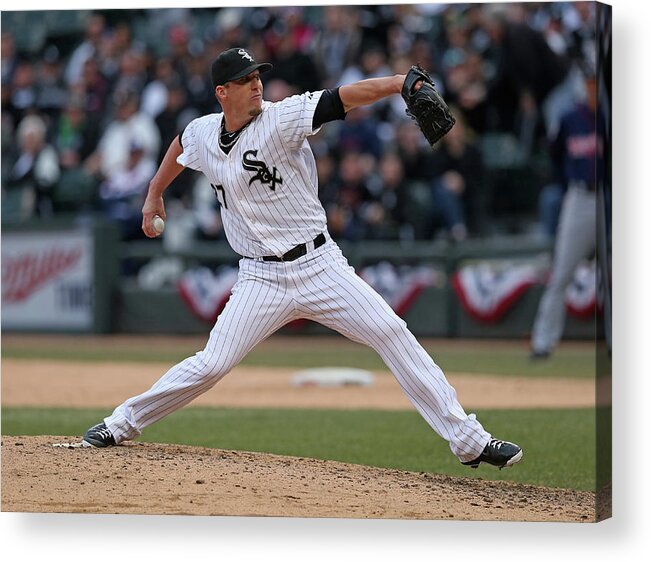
(222, 200)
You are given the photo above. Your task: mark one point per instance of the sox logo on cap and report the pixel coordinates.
(245, 54)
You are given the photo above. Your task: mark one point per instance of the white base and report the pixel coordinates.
(333, 376)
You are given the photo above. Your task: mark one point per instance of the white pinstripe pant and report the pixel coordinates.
(320, 286)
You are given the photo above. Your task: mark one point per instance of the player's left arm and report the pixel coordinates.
(366, 92)
(303, 115)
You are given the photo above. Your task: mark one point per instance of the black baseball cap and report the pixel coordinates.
(233, 64)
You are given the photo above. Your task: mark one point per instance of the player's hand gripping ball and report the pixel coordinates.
(158, 225)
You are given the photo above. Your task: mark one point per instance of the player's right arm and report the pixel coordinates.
(166, 173)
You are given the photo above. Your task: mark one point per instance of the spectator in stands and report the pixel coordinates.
(132, 74)
(457, 40)
(76, 133)
(230, 28)
(171, 121)
(472, 92)
(35, 170)
(9, 59)
(301, 32)
(175, 115)
(276, 90)
(399, 39)
(23, 91)
(456, 188)
(51, 91)
(359, 133)
(580, 28)
(180, 56)
(395, 191)
(556, 39)
(415, 25)
(75, 137)
(463, 66)
(422, 52)
(94, 87)
(414, 152)
(123, 192)
(529, 75)
(372, 64)
(8, 66)
(354, 210)
(7, 144)
(115, 43)
(113, 150)
(161, 20)
(89, 47)
(293, 66)
(326, 169)
(154, 95)
(478, 37)
(337, 44)
(200, 91)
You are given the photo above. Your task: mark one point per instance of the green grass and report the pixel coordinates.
(512, 361)
(559, 444)
(502, 359)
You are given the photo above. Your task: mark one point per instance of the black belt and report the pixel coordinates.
(297, 251)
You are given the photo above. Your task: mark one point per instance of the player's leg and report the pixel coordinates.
(575, 239)
(333, 295)
(254, 311)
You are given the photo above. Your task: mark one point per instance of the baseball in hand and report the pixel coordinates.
(158, 224)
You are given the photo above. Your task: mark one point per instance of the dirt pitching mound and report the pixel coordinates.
(151, 478)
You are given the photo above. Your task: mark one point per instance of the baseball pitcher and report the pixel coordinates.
(256, 156)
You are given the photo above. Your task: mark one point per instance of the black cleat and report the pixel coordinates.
(539, 355)
(498, 453)
(98, 436)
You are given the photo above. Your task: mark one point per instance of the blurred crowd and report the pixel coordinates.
(86, 121)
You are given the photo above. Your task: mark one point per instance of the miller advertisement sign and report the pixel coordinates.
(47, 280)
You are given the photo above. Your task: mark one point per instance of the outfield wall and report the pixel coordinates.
(94, 285)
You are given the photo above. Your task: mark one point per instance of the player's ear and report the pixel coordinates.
(220, 92)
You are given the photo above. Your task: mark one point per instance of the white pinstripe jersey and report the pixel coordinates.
(267, 184)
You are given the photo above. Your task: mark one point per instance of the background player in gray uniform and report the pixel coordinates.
(574, 152)
(256, 156)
